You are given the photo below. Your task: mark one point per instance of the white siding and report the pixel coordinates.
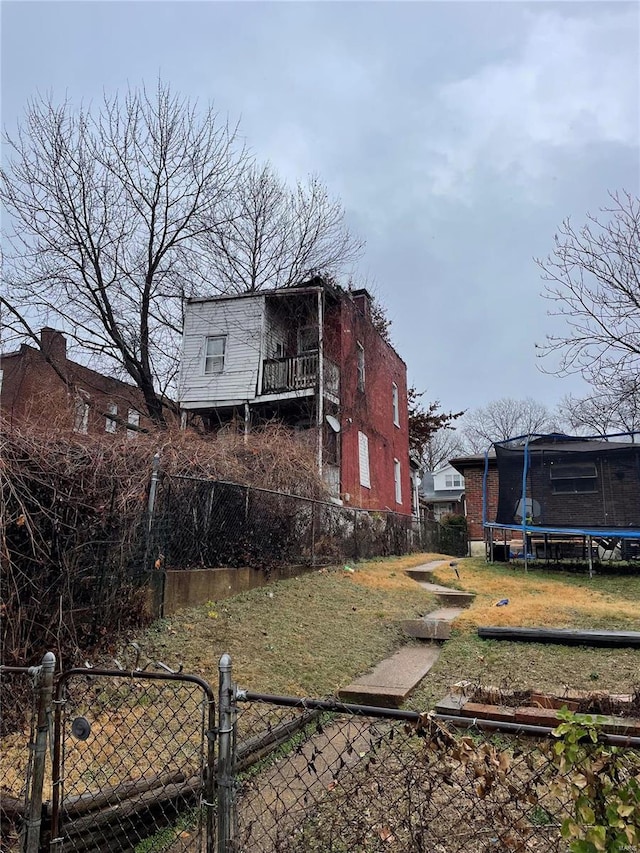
(440, 479)
(240, 320)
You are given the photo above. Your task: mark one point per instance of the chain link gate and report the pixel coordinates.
(133, 763)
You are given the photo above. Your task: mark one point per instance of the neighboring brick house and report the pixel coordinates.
(43, 386)
(472, 470)
(311, 357)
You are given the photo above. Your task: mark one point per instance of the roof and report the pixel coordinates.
(444, 496)
(475, 460)
(314, 285)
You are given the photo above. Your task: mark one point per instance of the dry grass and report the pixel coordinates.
(305, 636)
(537, 599)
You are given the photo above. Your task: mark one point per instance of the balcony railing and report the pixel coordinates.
(298, 372)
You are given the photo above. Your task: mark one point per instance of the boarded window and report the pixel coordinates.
(215, 349)
(397, 479)
(363, 456)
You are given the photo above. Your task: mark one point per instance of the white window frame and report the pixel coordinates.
(133, 418)
(213, 363)
(396, 404)
(363, 460)
(397, 479)
(360, 366)
(450, 481)
(81, 412)
(110, 425)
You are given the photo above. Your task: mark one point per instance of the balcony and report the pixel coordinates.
(297, 373)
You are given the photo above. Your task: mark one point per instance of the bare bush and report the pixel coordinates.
(73, 535)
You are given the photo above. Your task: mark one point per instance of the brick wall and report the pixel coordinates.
(371, 412)
(33, 390)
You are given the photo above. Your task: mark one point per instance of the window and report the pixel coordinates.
(360, 355)
(110, 424)
(576, 478)
(452, 481)
(215, 348)
(363, 457)
(81, 412)
(396, 409)
(307, 339)
(397, 475)
(133, 418)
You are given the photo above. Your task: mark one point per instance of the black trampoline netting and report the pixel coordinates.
(570, 483)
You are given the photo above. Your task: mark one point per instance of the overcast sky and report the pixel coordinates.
(458, 136)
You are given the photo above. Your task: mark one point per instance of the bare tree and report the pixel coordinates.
(106, 209)
(504, 419)
(610, 409)
(593, 277)
(274, 236)
(442, 445)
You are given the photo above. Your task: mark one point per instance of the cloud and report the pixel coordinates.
(574, 84)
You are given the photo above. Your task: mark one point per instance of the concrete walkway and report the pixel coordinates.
(393, 680)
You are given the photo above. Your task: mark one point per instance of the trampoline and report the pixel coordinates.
(559, 488)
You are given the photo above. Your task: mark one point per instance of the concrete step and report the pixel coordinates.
(434, 626)
(420, 574)
(434, 588)
(455, 598)
(427, 629)
(393, 679)
(446, 614)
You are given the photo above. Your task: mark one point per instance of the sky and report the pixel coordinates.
(458, 136)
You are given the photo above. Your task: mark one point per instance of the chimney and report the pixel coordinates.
(53, 344)
(362, 301)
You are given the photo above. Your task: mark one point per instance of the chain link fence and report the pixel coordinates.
(350, 781)
(205, 523)
(133, 762)
(121, 760)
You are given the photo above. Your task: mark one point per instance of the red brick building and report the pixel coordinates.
(472, 469)
(310, 357)
(43, 386)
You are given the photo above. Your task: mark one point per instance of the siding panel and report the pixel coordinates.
(240, 320)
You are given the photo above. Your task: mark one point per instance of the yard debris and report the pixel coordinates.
(502, 602)
(349, 570)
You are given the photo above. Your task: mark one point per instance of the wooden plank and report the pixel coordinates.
(563, 636)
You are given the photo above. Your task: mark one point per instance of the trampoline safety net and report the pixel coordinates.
(570, 484)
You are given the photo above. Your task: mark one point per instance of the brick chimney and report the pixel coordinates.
(362, 301)
(53, 344)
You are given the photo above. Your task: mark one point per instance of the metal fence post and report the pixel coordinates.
(224, 779)
(43, 682)
(158, 575)
(153, 488)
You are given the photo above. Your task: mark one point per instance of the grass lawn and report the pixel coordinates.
(311, 635)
